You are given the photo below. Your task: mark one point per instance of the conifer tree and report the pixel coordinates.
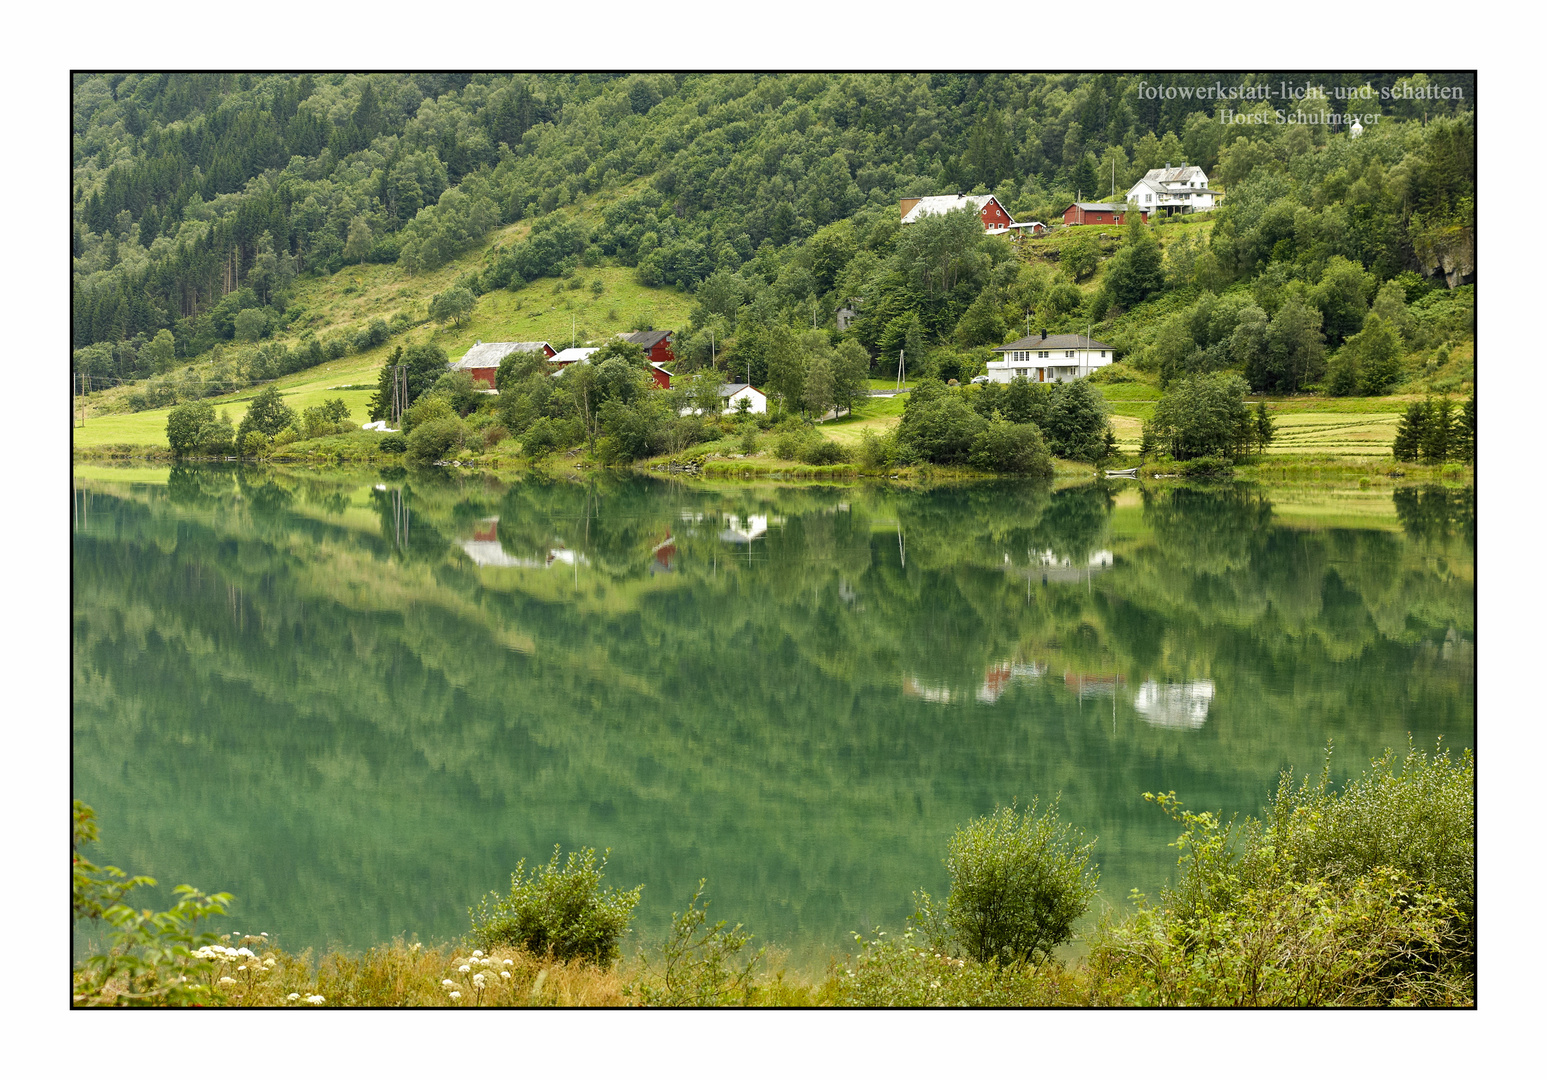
(1434, 443)
(1410, 428)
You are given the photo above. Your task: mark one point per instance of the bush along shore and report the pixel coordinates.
(1362, 895)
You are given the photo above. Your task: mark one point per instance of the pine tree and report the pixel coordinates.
(1464, 431)
(1434, 443)
(1263, 427)
(1410, 428)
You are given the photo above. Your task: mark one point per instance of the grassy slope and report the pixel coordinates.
(356, 295)
(546, 310)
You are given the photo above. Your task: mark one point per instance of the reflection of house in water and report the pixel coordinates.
(1178, 705)
(1086, 685)
(485, 550)
(744, 531)
(1051, 567)
(996, 680)
(663, 557)
(940, 695)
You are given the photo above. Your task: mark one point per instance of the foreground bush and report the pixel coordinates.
(562, 911)
(1018, 883)
(1362, 896)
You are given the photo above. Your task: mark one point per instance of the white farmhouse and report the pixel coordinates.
(1050, 358)
(735, 393)
(1184, 190)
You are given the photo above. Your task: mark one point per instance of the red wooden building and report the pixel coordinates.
(1099, 213)
(482, 361)
(656, 343)
(992, 213)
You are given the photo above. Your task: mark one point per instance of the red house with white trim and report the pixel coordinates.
(483, 359)
(1099, 213)
(656, 343)
(993, 214)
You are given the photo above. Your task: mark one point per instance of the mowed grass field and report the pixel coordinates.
(354, 296)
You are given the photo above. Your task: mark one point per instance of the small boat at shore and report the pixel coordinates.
(1131, 474)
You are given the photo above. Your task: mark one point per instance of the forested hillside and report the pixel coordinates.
(203, 203)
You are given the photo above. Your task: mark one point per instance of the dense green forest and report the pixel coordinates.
(200, 200)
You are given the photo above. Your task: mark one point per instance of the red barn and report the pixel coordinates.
(656, 343)
(483, 359)
(994, 216)
(1099, 213)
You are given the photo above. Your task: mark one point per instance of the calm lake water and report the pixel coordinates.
(355, 700)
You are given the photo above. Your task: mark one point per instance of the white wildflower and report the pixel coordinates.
(447, 983)
(316, 999)
(507, 963)
(226, 980)
(456, 995)
(294, 997)
(504, 974)
(477, 953)
(243, 951)
(464, 969)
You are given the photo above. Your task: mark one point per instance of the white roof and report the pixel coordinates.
(940, 204)
(569, 356)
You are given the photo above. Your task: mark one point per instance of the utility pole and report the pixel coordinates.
(901, 367)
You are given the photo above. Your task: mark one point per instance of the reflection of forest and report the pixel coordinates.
(355, 701)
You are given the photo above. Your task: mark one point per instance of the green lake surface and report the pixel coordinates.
(355, 699)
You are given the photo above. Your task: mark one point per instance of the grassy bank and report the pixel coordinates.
(1358, 896)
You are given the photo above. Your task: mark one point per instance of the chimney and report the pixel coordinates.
(1168, 164)
(1044, 335)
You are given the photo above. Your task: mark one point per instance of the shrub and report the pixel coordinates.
(268, 413)
(820, 451)
(255, 444)
(703, 965)
(393, 443)
(152, 960)
(540, 439)
(1205, 466)
(563, 911)
(877, 451)
(1018, 883)
(432, 440)
(747, 441)
(459, 390)
(493, 435)
(787, 444)
(1011, 448)
(430, 407)
(185, 423)
(329, 418)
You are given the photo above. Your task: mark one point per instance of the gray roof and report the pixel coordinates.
(731, 389)
(487, 354)
(1118, 206)
(1182, 174)
(1054, 341)
(648, 338)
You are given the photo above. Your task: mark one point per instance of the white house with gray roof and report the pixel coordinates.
(1050, 358)
(1183, 190)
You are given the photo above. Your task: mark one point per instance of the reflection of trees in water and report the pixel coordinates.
(1434, 513)
(768, 691)
(1208, 529)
